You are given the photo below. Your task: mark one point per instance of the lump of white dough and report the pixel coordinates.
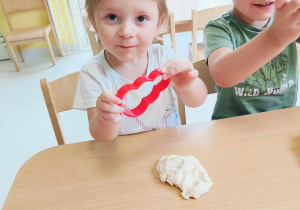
(186, 173)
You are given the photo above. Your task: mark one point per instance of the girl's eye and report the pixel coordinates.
(141, 19)
(112, 17)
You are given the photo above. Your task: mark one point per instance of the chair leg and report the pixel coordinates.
(59, 51)
(181, 110)
(13, 55)
(190, 47)
(50, 49)
(20, 52)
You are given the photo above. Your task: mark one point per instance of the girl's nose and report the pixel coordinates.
(126, 30)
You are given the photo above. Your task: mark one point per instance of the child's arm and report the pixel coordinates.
(189, 88)
(230, 67)
(105, 119)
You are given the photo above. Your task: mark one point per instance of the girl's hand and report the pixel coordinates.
(181, 71)
(286, 25)
(108, 109)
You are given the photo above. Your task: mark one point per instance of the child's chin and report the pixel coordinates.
(126, 58)
(264, 17)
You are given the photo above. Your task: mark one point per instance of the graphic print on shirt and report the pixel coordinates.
(268, 80)
(169, 117)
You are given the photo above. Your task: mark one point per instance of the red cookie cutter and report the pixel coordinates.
(147, 100)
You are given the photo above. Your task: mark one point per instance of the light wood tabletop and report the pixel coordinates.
(253, 161)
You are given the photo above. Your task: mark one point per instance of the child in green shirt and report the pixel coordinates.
(252, 57)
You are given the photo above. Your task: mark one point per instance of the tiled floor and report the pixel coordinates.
(25, 127)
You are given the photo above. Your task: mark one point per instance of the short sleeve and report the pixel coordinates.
(216, 35)
(88, 90)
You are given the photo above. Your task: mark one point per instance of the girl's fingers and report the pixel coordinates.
(165, 67)
(173, 68)
(124, 101)
(108, 102)
(110, 97)
(169, 72)
(111, 108)
(194, 73)
(111, 117)
(179, 66)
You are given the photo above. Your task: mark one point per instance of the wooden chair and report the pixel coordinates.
(28, 35)
(168, 29)
(59, 96)
(199, 21)
(206, 77)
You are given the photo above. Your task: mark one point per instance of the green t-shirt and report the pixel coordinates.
(274, 86)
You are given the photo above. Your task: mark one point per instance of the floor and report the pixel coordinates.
(25, 127)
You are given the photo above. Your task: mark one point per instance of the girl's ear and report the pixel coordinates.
(92, 21)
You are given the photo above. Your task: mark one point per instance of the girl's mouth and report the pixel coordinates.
(126, 47)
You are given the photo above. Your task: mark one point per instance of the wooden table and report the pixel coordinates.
(253, 161)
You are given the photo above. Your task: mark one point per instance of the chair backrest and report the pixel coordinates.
(17, 5)
(59, 96)
(206, 77)
(92, 35)
(169, 28)
(22, 5)
(201, 18)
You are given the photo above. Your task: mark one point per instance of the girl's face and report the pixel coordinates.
(126, 28)
(254, 12)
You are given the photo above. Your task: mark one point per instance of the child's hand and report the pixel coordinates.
(286, 24)
(181, 71)
(108, 109)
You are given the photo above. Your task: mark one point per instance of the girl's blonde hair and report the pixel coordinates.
(91, 5)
